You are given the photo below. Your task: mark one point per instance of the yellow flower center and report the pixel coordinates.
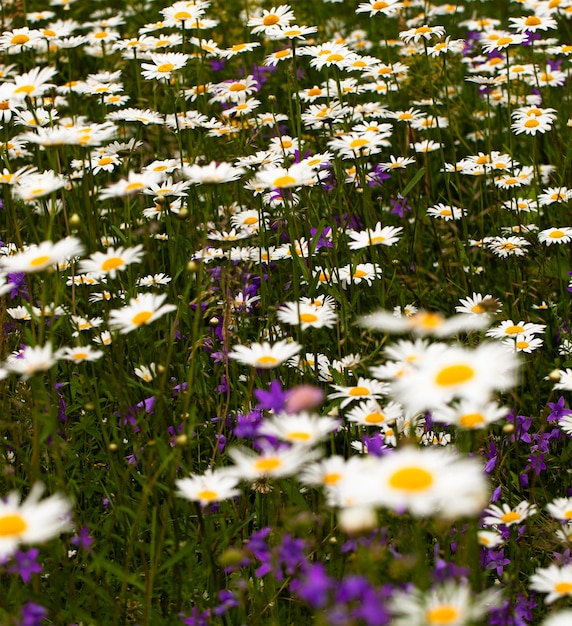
(545, 78)
(165, 68)
(299, 436)
(332, 478)
(422, 30)
(359, 391)
(134, 186)
(237, 87)
(282, 53)
(112, 263)
(532, 123)
(377, 6)
(557, 234)
(563, 588)
(284, 181)
(445, 614)
(315, 91)
(567, 49)
(522, 345)
(512, 516)
(142, 318)
(427, 320)
(308, 318)
(446, 212)
(267, 360)
(503, 41)
(412, 479)
(40, 260)
(79, 356)
(332, 58)
(182, 15)
(359, 143)
(359, 274)
(208, 495)
(25, 89)
(454, 375)
(270, 20)
(105, 161)
(471, 420)
(478, 309)
(268, 464)
(568, 514)
(19, 40)
(12, 525)
(532, 20)
(514, 330)
(49, 33)
(374, 418)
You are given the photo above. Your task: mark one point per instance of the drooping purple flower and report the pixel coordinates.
(558, 410)
(400, 206)
(228, 600)
(25, 564)
(19, 285)
(32, 614)
(272, 400)
(83, 539)
(313, 586)
(196, 618)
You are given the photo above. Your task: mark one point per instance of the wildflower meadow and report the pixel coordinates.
(285, 313)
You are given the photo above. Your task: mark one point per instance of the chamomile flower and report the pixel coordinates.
(269, 462)
(264, 355)
(510, 329)
(562, 234)
(452, 604)
(523, 343)
(163, 65)
(445, 373)
(384, 236)
(354, 274)
(370, 413)
(469, 414)
(112, 261)
(31, 360)
(504, 247)
(307, 315)
(532, 23)
(560, 508)
(422, 32)
(477, 304)
(45, 255)
(504, 514)
(146, 372)
(212, 486)
(31, 521)
(560, 618)
(423, 323)
(301, 429)
(79, 354)
(553, 580)
(142, 310)
(446, 212)
(269, 19)
(365, 388)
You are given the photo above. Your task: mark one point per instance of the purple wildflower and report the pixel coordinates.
(25, 564)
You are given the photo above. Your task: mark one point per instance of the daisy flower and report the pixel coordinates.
(307, 315)
(212, 486)
(146, 372)
(560, 508)
(561, 618)
(499, 40)
(79, 354)
(422, 32)
(477, 304)
(554, 194)
(264, 355)
(142, 310)
(214, 173)
(523, 343)
(504, 514)
(549, 236)
(37, 185)
(163, 65)
(303, 429)
(31, 360)
(365, 388)
(532, 23)
(553, 580)
(451, 603)
(509, 329)
(446, 212)
(112, 260)
(31, 521)
(373, 7)
(469, 414)
(370, 413)
(490, 538)
(269, 462)
(504, 247)
(564, 380)
(268, 19)
(385, 236)
(446, 372)
(532, 124)
(354, 274)
(423, 323)
(430, 481)
(37, 258)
